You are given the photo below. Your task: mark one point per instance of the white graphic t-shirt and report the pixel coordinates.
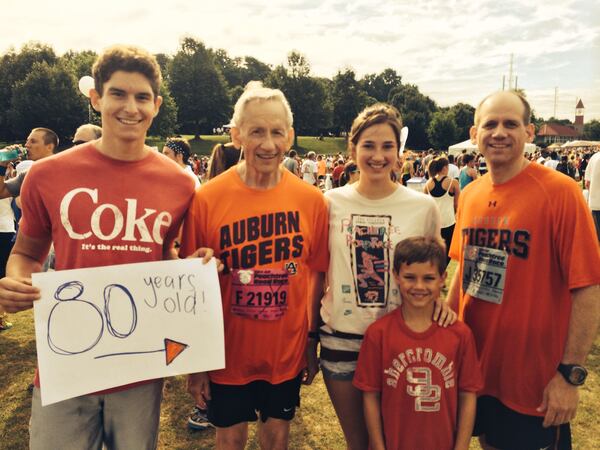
(362, 236)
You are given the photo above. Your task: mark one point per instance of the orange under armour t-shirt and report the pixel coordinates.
(522, 246)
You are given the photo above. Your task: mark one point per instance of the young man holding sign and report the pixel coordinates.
(99, 206)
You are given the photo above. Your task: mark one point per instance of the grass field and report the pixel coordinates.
(315, 425)
(203, 146)
(329, 145)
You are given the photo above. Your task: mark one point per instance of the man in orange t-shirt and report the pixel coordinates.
(529, 269)
(321, 167)
(270, 230)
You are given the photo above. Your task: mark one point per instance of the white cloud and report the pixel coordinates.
(454, 50)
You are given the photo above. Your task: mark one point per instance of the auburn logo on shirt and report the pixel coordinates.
(291, 267)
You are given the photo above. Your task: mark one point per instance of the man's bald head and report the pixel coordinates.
(524, 102)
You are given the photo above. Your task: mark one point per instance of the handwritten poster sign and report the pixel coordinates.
(105, 327)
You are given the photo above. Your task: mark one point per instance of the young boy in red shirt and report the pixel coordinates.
(419, 380)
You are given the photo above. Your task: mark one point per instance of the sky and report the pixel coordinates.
(453, 50)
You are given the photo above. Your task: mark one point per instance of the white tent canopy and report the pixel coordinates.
(467, 145)
(457, 149)
(581, 144)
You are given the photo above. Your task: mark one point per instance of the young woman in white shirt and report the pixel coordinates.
(366, 221)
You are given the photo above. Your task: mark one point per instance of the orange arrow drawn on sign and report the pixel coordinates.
(173, 349)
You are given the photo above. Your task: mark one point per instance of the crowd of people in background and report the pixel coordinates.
(464, 167)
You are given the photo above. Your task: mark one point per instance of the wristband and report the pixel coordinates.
(313, 335)
(2, 171)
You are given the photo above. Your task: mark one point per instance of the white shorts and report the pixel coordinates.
(339, 353)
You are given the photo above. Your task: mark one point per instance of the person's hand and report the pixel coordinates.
(559, 401)
(17, 294)
(443, 314)
(312, 362)
(206, 254)
(198, 385)
(7, 162)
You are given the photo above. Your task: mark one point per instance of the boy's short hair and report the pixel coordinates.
(420, 249)
(50, 137)
(129, 59)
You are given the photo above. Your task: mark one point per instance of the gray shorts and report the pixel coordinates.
(125, 420)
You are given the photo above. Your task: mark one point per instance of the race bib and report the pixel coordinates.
(484, 273)
(259, 294)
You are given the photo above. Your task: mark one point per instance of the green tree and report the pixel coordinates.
(416, 110)
(199, 89)
(254, 69)
(239, 71)
(165, 123)
(442, 129)
(298, 65)
(381, 84)
(326, 120)
(235, 93)
(565, 122)
(463, 119)
(348, 98)
(47, 97)
(536, 121)
(591, 130)
(164, 61)
(231, 68)
(305, 94)
(79, 63)
(14, 67)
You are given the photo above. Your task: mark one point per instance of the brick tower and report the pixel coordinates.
(579, 117)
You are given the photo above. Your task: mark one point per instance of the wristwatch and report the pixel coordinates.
(574, 374)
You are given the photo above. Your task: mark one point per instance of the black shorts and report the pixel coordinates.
(506, 429)
(596, 216)
(233, 404)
